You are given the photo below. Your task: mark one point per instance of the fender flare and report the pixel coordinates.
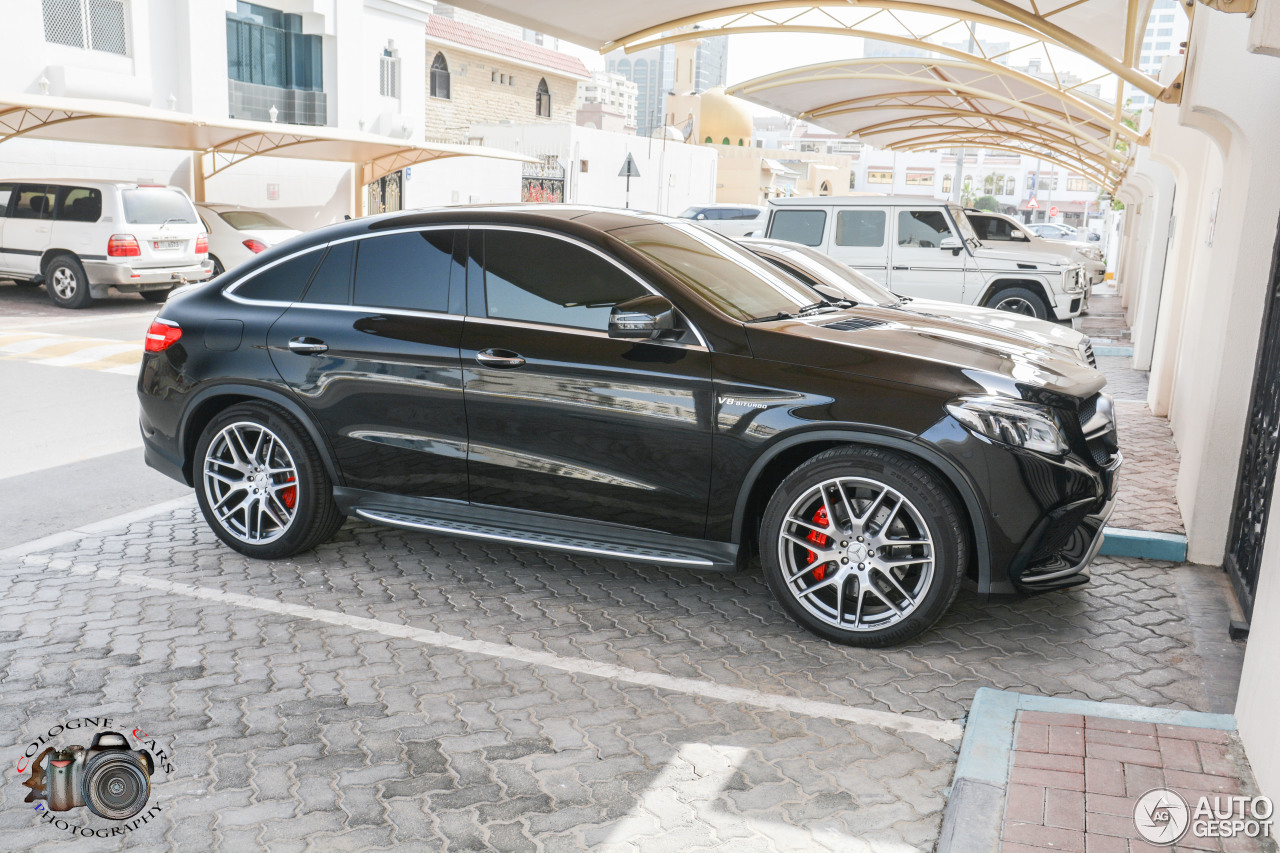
(904, 444)
(999, 284)
(266, 394)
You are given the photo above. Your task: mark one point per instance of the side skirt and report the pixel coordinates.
(538, 530)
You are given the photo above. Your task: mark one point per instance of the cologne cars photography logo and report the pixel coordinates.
(110, 778)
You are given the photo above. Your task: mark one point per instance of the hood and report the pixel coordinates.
(1015, 258)
(933, 352)
(1036, 332)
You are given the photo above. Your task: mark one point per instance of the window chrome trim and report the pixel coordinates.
(230, 291)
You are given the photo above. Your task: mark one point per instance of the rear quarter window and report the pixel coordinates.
(79, 204)
(805, 227)
(283, 282)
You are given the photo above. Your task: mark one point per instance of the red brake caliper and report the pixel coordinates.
(290, 495)
(820, 539)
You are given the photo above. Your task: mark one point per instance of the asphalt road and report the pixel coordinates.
(70, 451)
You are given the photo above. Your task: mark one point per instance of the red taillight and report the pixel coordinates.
(123, 246)
(162, 335)
(202, 244)
(255, 246)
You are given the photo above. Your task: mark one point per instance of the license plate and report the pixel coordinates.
(167, 245)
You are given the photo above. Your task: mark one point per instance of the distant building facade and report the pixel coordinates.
(607, 99)
(653, 70)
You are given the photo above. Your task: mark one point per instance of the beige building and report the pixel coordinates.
(476, 76)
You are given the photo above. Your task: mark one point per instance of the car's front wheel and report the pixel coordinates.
(863, 546)
(261, 483)
(1019, 300)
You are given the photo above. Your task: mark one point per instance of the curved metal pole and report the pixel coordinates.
(1063, 158)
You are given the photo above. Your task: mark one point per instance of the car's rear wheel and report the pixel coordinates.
(218, 268)
(1019, 300)
(261, 483)
(66, 283)
(863, 547)
(156, 295)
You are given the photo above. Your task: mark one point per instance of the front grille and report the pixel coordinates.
(855, 324)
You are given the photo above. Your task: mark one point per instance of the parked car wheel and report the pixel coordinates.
(261, 483)
(218, 268)
(66, 283)
(863, 547)
(156, 295)
(1019, 300)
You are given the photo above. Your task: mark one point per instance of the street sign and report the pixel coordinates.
(1053, 211)
(629, 169)
(1032, 204)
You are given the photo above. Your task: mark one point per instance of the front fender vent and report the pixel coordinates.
(1022, 266)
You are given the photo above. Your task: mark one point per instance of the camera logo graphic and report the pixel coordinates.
(113, 780)
(1161, 816)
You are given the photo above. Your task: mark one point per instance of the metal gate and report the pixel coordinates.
(1256, 480)
(543, 181)
(386, 194)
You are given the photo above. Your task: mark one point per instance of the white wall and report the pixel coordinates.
(673, 175)
(462, 180)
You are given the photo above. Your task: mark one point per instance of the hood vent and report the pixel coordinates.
(1028, 267)
(855, 324)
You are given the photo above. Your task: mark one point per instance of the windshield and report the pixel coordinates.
(729, 277)
(966, 227)
(156, 206)
(691, 213)
(252, 220)
(850, 283)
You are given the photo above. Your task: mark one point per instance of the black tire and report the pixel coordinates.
(218, 268)
(316, 516)
(1019, 300)
(66, 283)
(155, 295)
(930, 504)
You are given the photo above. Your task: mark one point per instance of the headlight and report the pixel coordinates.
(1073, 280)
(1012, 422)
(1091, 252)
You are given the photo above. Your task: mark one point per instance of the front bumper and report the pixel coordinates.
(123, 277)
(1059, 550)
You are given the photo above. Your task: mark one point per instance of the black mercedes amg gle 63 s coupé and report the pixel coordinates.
(629, 386)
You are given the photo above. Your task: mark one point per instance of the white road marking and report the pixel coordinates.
(938, 729)
(106, 525)
(32, 344)
(75, 321)
(91, 354)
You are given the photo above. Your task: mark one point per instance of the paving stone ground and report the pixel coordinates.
(290, 732)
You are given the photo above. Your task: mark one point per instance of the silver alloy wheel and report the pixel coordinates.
(64, 282)
(1016, 305)
(872, 560)
(248, 478)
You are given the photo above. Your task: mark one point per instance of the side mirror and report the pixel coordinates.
(643, 318)
(701, 216)
(951, 244)
(1019, 235)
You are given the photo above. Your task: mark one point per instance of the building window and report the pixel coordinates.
(268, 48)
(389, 74)
(919, 179)
(93, 24)
(439, 77)
(880, 177)
(710, 141)
(543, 101)
(1081, 185)
(946, 184)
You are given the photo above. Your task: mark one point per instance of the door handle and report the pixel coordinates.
(503, 359)
(307, 346)
(902, 268)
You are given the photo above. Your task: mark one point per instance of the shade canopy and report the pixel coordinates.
(225, 143)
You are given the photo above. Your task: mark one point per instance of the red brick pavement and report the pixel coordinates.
(1074, 781)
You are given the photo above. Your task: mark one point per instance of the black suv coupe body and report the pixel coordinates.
(627, 386)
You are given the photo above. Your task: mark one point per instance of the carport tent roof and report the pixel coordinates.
(919, 103)
(228, 142)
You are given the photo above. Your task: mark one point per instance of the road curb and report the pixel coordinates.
(974, 814)
(1121, 542)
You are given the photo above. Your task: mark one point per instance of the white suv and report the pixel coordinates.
(1004, 232)
(927, 248)
(81, 238)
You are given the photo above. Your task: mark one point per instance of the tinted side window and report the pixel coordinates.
(79, 204)
(922, 229)
(407, 270)
(34, 202)
(990, 228)
(6, 193)
(331, 284)
(799, 226)
(540, 279)
(860, 227)
(282, 283)
(748, 213)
